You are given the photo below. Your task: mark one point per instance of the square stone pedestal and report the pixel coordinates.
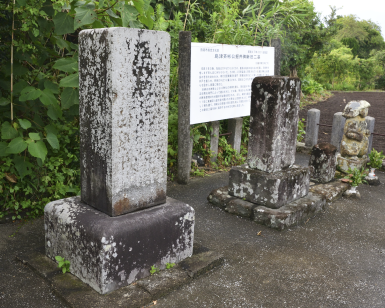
(110, 252)
(272, 190)
(351, 163)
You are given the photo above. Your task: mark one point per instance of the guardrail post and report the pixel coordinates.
(214, 140)
(312, 126)
(235, 127)
(337, 130)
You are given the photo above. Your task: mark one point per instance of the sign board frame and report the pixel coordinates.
(221, 77)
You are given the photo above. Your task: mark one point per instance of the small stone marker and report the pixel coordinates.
(312, 127)
(235, 127)
(273, 122)
(337, 130)
(123, 106)
(124, 76)
(323, 162)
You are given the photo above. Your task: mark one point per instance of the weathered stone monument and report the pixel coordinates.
(355, 140)
(269, 178)
(323, 162)
(270, 188)
(123, 223)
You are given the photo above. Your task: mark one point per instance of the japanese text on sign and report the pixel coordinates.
(221, 77)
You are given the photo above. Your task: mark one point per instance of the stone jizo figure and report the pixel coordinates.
(355, 140)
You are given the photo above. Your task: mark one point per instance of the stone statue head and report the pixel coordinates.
(356, 108)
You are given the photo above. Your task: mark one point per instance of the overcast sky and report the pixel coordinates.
(364, 9)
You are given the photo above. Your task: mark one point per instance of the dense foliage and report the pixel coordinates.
(39, 97)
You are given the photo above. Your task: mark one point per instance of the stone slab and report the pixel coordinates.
(76, 293)
(290, 214)
(163, 282)
(123, 109)
(201, 263)
(220, 197)
(272, 190)
(331, 191)
(312, 127)
(273, 122)
(235, 127)
(110, 252)
(344, 163)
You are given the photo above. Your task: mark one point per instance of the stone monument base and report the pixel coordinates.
(111, 252)
(350, 163)
(272, 190)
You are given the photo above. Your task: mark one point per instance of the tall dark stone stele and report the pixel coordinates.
(270, 177)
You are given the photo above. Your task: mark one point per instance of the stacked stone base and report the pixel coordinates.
(110, 252)
(345, 164)
(271, 189)
(288, 215)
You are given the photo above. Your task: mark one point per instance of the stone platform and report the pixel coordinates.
(273, 190)
(110, 252)
(288, 215)
(345, 164)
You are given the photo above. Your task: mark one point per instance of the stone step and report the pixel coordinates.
(288, 215)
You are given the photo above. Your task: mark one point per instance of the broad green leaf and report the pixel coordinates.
(129, 14)
(97, 24)
(51, 129)
(70, 81)
(147, 21)
(85, 15)
(68, 65)
(16, 146)
(22, 165)
(19, 86)
(21, 2)
(53, 141)
(53, 87)
(64, 23)
(58, 40)
(24, 123)
(3, 149)
(34, 136)
(142, 6)
(59, 258)
(112, 14)
(8, 132)
(54, 112)
(29, 93)
(69, 97)
(4, 101)
(38, 149)
(136, 24)
(101, 4)
(47, 97)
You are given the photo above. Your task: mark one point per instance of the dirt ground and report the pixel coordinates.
(335, 104)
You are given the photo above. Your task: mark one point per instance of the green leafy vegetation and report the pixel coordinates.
(154, 270)
(376, 159)
(63, 264)
(356, 176)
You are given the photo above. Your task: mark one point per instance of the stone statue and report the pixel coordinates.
(355, 140)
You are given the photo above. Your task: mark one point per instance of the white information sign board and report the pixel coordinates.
(221, 77)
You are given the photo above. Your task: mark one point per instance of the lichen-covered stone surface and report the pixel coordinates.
(110, 252)
(355, 139)
(346, 163)
(331, 191)
(273, 122)
(124, 90)
(272, 190)
(290, 214)
(323, 162)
